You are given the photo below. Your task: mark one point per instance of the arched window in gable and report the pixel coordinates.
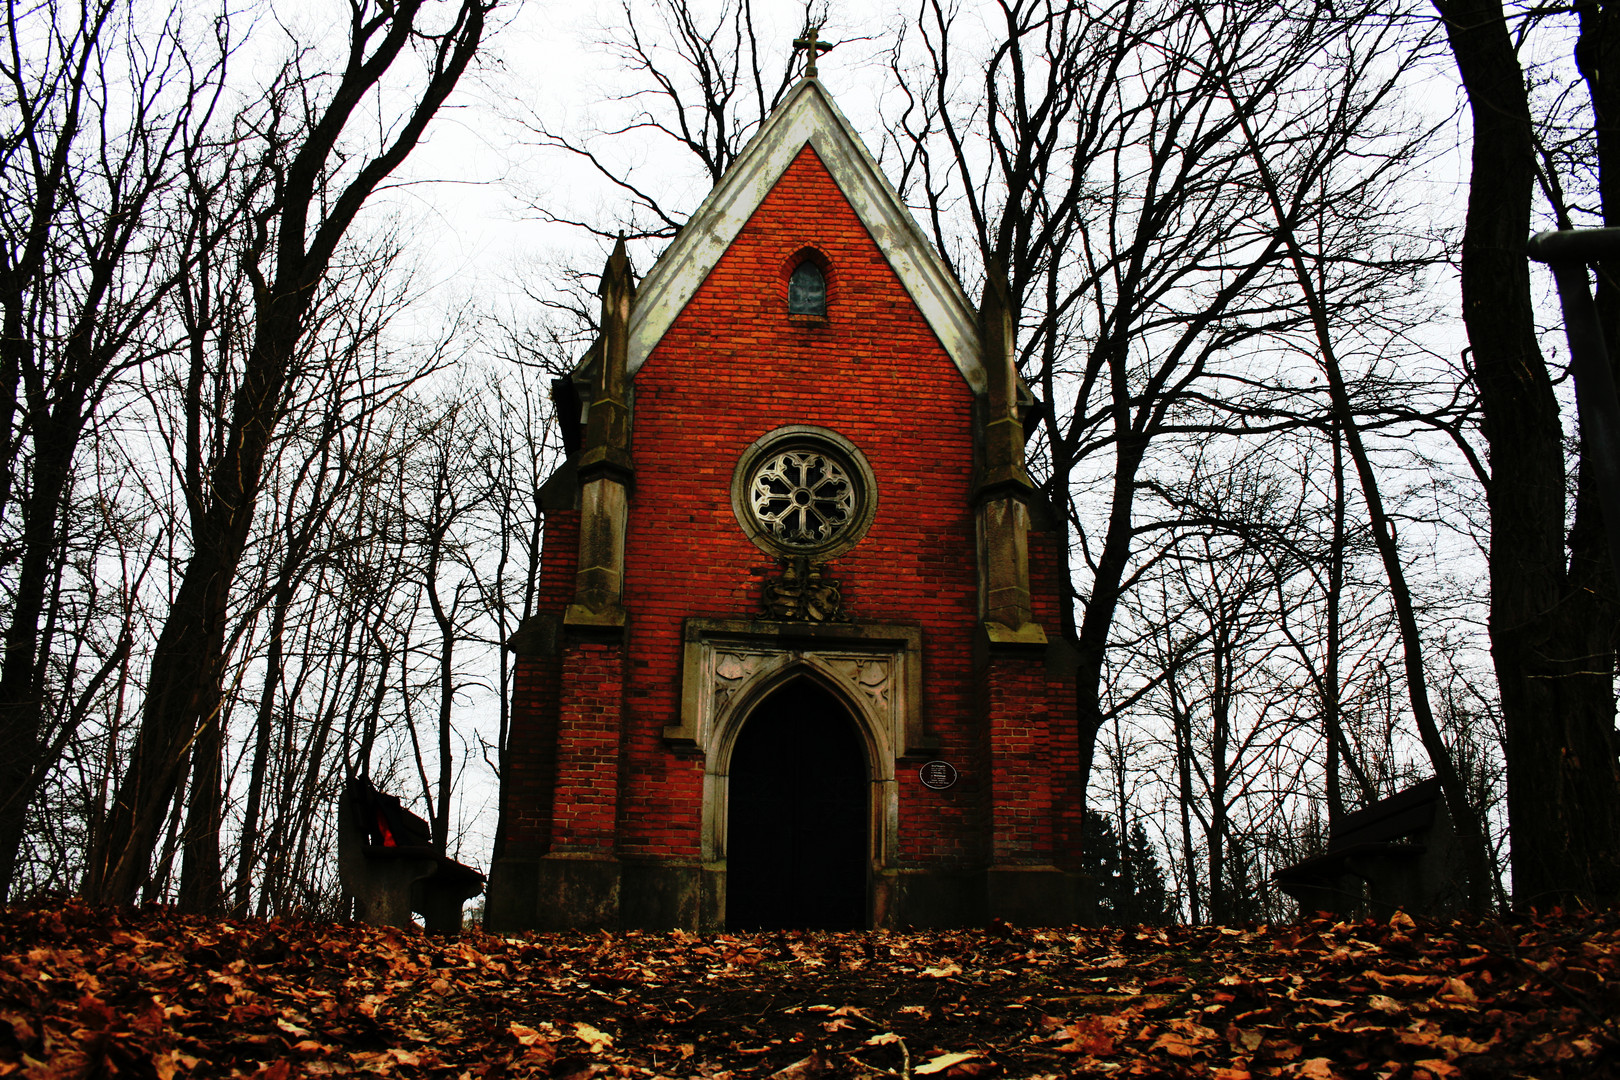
(807, 291)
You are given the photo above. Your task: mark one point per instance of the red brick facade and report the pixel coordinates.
(591, 774)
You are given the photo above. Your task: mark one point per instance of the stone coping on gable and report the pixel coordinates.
(808, 115)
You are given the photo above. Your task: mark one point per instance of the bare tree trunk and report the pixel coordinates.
(1335, 639)
(1220, 777)
(1182, 721)
(263, 722)
(189, 651)
(1126, 909)
(445, 621)
(202, 884)
(87, 165)
(1107, 585)
(1465, 817)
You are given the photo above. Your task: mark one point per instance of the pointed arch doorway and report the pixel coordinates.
(799, 815)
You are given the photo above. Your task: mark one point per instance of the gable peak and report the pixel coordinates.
(807, 116)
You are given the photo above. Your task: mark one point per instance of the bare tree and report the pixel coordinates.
(1233, 705)
(100, 114)
(309, 185)
(705, 77)
(328, 451)
(451, 485)
(1106, 162)
(1343, 117)
(1553, 617)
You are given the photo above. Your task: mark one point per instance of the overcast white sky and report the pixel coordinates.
(463, 193)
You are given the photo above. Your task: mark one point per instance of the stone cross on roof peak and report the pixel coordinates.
(811, 44)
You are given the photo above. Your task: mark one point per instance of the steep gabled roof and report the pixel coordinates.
(807, 115)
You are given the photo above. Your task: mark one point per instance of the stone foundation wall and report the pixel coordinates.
(582, 893)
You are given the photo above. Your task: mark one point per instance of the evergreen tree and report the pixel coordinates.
(1099, 858)
(1150, 899)
(1129, 881)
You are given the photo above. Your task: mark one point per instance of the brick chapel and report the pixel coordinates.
(795, 659)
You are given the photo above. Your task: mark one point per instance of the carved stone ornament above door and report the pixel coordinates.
(729, 664)
(800, 592)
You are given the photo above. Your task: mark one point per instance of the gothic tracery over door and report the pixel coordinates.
(799, 815)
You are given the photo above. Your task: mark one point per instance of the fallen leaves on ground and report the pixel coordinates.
(88, 992)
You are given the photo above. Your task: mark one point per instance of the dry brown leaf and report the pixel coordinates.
(944, 1061)
(1193, 1032)
(1281, 1049)
(598, 1041)
(1094, 1036)
(574, 1067)
(527, 1036)
(68, 1066)
(1406, 980)
(1462, 1044)
(166, 1064)
(1457, 990)
(806, 1068)
(1174, 1044)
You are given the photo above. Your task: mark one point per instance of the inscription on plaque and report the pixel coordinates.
(937, 775)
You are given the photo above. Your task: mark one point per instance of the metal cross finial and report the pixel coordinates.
(811, 44)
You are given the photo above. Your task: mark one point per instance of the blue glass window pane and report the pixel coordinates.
(807, 291)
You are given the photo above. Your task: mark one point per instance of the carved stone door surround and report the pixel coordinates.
(731, 665)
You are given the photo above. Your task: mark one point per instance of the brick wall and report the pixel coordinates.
(732, 367)
(1048, 580)
(528, 786)
(584, 799)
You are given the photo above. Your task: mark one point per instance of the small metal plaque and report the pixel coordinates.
(937, 775)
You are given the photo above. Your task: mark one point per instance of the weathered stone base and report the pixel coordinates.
(1022, 895)
(554, 892)
(932, 898)
(572, 892)
(1034, 895)
(670, 896)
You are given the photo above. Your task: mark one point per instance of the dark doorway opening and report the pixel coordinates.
(799, 815)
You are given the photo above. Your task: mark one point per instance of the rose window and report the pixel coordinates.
(804, 491)
(803, 498)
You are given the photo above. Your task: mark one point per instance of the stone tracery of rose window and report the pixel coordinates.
(803, 497)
